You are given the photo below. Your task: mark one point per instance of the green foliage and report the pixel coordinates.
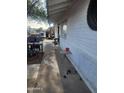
(35, 10)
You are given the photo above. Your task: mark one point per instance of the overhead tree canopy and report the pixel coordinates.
(35, 9)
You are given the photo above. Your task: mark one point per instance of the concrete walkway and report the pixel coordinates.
(55, 74)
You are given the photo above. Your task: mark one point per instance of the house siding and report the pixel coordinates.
(82, 42)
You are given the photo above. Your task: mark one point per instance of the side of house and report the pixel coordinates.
(82, 41)
(78, 34)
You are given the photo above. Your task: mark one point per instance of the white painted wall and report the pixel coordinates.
(82, 42)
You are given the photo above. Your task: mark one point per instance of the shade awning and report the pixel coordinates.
(57, 9)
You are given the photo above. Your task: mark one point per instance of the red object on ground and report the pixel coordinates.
(66, 49)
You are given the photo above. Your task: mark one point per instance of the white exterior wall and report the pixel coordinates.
(82, 42)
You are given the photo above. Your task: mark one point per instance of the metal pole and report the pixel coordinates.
(58, 36)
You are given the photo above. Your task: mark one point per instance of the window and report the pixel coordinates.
(65, 27)
(64, 30)
(92, 15)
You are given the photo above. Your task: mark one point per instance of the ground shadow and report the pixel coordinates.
(36, 59)
(72, 82)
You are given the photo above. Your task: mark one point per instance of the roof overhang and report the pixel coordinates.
(57, 9)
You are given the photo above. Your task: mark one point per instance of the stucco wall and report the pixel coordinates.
(82, 42)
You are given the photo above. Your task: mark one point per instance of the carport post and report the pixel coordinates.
(58, 36)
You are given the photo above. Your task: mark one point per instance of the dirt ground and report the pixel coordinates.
(53, 74)
(35, 59)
